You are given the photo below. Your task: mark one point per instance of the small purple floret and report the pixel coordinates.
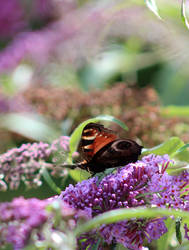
(144, 183)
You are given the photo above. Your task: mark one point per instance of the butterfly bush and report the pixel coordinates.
(50, 223)
(144, 183)
(27, 162)
(11, 18)
(31, 221)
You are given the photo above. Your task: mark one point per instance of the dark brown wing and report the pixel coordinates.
(115, 154)
(101, 149)
(94, 137)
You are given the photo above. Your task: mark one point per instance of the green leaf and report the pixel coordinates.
(79, 174)
(76, 135)
(151, 4)
(163, 242)
(177, 167)
(169, 147)
(177, 229)
(183, 13)
(124, 214)
(30, 126)
(120, 247)
(179, 111)
(96, 246)
(183, 148)
(50, 182)
(182, 153)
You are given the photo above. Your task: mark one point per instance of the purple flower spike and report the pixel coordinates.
(27, 221)
(24, 163)
(144, 183)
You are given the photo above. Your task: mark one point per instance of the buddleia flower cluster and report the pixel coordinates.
(41, 223)
(144, 183)
(27, 162)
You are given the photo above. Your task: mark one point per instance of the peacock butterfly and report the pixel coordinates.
(100, 148)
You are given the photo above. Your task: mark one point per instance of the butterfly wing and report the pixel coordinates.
(101, 149)
(94, 137)
(117, 153)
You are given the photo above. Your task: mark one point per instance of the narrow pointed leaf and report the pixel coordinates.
(169, 147)
(30, 126)
(183, 13)
(182, 153)
(177, 229)
(50, 182)
(151, 4)
(124, 214)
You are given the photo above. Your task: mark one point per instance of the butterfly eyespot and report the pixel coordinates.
(124, 145)
(111, 150)
(100, 148)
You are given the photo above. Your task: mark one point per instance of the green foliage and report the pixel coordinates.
(169, 147)
(129, 213)
(182, 153)
(79, 175)
(178, 229)
(175, 111)
(184, 13)
(164, 241)
(151, 4)
(50, 182)
(162, 53)
(31, 126)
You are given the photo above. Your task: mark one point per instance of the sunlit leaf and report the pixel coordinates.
(183, 13)
(76, 135)
(30, 126)
(182, 153)
(169, 147)
(151, 4)
(163, 242)
(79, 174)
(124, 214)
(177, 167)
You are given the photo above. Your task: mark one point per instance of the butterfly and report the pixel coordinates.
(100, 148)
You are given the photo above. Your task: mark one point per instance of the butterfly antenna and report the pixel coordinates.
(71, 166)
(81, 165)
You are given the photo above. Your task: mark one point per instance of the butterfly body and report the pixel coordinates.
(100, 148)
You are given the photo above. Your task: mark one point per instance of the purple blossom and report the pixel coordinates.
(132, 233)
(54, 37)
(4, 105)
(24, 221)
(11, 18)
(13, 104)
(144, 183)
(31, 213)
(42, 8)
(26, 162)
(186, 231)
